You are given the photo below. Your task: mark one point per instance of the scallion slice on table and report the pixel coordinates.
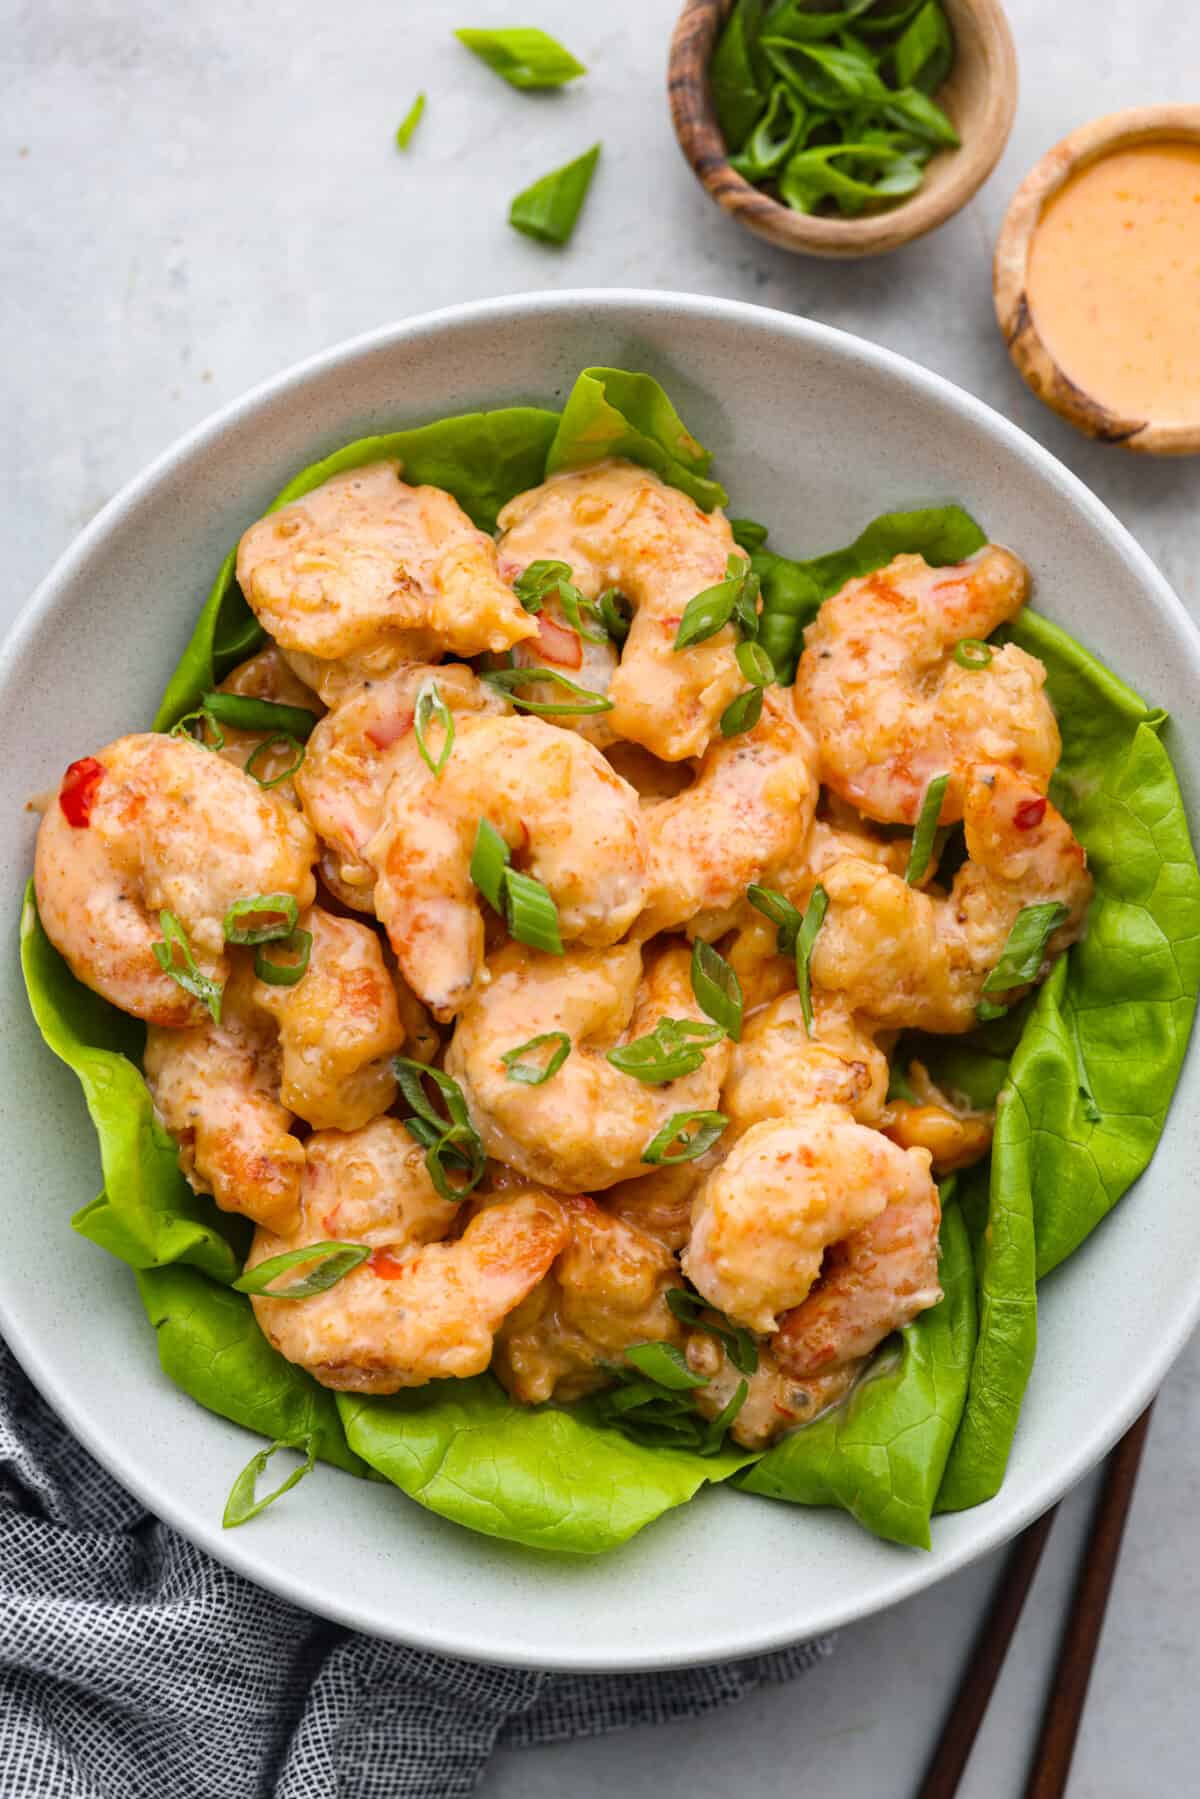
(520, 1066)
(262, 918)
(243, 1503)
(716, 987)
(926, 832)
(684, 1137)
(524, 55)
(409, 123)
(432, 709)
(550, 208)
(333, 1262)
(806, 937)
(175, 949)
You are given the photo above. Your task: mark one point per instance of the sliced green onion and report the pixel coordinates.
(532, 914)
(616, 614)
(175, 944)
(285, 974)
(431, 707)
(243, 1503)
(666, 1054)
(409, 123)
(1024, 952)
(743, 713)
(450, 1141)
(987, 1011)
(458, 1150)
(279, 909)
(584, 703)
(524, 55)
(489, 864)
(539, 579)
(782, 914)
(717, 989)
(692, 1132)
(972, 652)
(806, 937)
(714, 1436)
(748, 535)
(745, 607)
(334, 1261)
(755, 664)
(243, 713)
(926, 831)
(550, 208)
(204, 719)
(535, 1074)
(665, 1366)
(697, 1314)
(269, 743)
(708, 613)
(411, 1077)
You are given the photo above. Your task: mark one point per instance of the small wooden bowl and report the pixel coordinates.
(980, 96)
(1137, 125)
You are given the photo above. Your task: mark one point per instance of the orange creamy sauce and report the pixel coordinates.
(1114, 280)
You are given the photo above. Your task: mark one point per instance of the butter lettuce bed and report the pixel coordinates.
(930, 1426)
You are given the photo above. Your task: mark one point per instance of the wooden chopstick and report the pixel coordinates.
(987, 1658)
(1068, 1689)
(1080, 1639)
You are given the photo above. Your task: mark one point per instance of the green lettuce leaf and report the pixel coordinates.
(880, 1455)
(735, 75)
(610, 412)
(210, 1345)
(1080, 1115)
(482, 458)
(147, 1213)
(547, 1478)
(793, 590)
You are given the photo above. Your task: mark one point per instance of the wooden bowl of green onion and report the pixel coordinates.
(842, 127)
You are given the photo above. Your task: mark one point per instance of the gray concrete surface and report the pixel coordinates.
(193, 197)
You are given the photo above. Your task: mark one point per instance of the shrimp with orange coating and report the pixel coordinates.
(568, 820)
(617, 525)
(366, 573)
(152, 825)
(587, 1126)
(894, 706)
(426, 1304)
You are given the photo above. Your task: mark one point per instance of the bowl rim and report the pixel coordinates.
(1089, 143)
(694, 119)
(906, 1575)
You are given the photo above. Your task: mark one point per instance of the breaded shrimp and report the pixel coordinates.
(569, 821)
(747, 813)
(617, 525)
(352, 756)
(216, 1089)
(604, 1293)
(659, 1202)
(891, 706)
(586, 1127)
(421, 1308)
(779, 1071)
(338, 1027)
(775, 1403)
(559, 646)
(911, 958)
(155, 823)
(788, 1189)
(366, 573)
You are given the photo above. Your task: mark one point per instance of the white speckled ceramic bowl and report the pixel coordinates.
(814, 432)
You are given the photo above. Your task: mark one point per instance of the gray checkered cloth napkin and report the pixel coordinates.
(133, 1666)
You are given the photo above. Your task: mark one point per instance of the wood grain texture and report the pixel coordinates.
(980, 96)
(1136, 125)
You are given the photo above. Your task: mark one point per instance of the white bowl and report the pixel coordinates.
(815, 432)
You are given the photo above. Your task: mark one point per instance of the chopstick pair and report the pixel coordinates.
(1051, 1764)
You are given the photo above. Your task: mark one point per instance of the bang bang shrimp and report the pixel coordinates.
(265, 676)
(366, 573)
(892, 706)
(152, 824)
(424, 1305)
(617, 525)
(586, 1127)
(568, 820)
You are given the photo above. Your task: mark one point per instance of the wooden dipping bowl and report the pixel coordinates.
(980, 96)
(1117, 130)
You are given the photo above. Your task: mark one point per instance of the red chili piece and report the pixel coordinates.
(77, 794)
(1029, 813)
(558, 644)
(385, 1265)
